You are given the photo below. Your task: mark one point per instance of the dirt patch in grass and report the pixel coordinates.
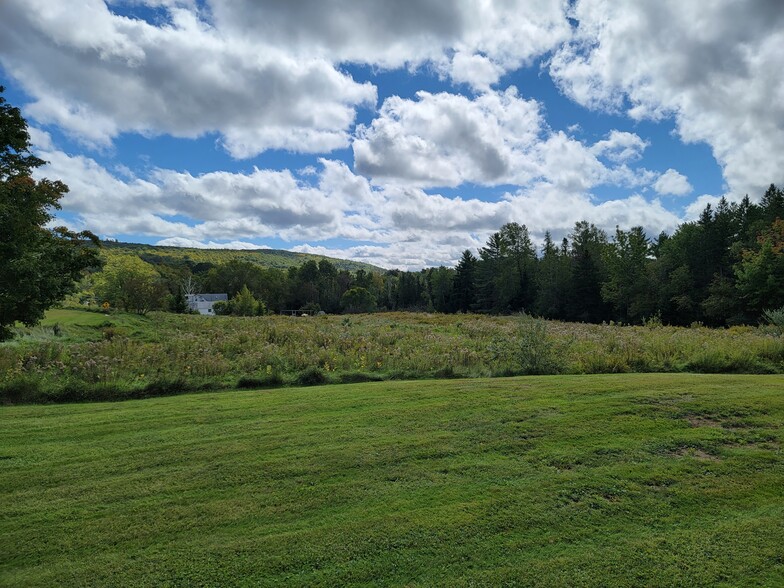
(703, 421)
(699, 454)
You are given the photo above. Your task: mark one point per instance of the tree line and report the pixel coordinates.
(725, 268)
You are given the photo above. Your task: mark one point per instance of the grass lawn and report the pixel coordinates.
(611, 480)
(78, 326)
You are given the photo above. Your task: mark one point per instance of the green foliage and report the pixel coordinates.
(774, 317)
(536, 350)
(761, 272)
(465, 282)
(588, 273)
(129, 283)
(719, 271)
(271, 380)
(129, 352)
(553, 279)
(222, 307)
(38, 266)
(357, 300)
(506, 273)
(627, 287)
(177, 302)
(244, 304)
(311, 376)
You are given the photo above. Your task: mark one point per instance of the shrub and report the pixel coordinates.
(445, 372)
(535, 353)
(166, 387)
(774, 317)
(23, 389)
(358, 377)
(312, 376)
(267, 381)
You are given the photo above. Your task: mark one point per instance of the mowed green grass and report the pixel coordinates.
(613, 480)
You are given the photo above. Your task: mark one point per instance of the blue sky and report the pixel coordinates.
(395, 133)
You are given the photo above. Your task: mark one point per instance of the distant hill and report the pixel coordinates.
(267, 258)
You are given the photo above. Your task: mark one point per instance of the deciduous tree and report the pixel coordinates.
(38, 266)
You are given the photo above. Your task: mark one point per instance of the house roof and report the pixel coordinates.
(208, 297)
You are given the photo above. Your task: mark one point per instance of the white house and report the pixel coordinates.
(203, 302)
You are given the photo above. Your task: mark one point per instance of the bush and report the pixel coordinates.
(535, 353)
(446, 372)
(312, 376)
(166, 387)
(358, 377)
(717, 361)
(21, 390)
(774, 317)
(266, 381)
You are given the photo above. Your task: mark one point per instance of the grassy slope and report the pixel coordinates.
(622, 480)
(277, 258)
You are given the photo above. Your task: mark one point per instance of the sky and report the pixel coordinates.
(396, 133)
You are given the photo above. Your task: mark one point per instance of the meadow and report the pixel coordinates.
(75, 355)
(622, 480)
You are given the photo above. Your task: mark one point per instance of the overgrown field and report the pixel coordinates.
(78, 355)
(613, 480)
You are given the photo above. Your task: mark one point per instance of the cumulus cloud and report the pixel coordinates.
(494, 139)
(260, 75)
(620, 146)
(471, 41)
(716, 68)
(97, 74)
(446, 139)
(672, 183)
(194, 244)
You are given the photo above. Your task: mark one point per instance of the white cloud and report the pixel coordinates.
(673, 183)
(494, 139)
(40, 139)
(447, 139)
(620, 147)
(96, 74)
(716, 67)
(545, 206)
(261, 75)
(255, 75)
(473, 41)
(476, 70)
(396, 226)
(194, 244)
(692, 210)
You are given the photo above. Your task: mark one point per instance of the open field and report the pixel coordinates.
(105, 357)
(622, 480)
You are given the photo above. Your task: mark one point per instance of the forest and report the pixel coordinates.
(726, 268)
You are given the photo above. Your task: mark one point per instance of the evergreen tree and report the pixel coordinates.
(506, 275)
(772, 205)
(626, 287)
(552, 280)
(441, 288)
(465, 282)
(588, 244)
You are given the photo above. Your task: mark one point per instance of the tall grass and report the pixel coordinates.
(127, 357)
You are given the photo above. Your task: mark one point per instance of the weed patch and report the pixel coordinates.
(166, 353)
